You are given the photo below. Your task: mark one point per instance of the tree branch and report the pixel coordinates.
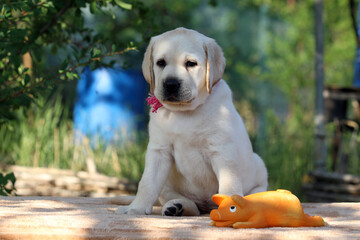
(28, 88)
(54, 19)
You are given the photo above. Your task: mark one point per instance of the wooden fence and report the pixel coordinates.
(67, 183)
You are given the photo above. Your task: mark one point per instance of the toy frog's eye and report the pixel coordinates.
(232, 209)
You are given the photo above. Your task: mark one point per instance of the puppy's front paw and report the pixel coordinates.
(173, 209)
(133, 211)
(122, 210)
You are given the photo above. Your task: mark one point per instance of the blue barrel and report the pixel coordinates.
(110, 105)
(357, 69)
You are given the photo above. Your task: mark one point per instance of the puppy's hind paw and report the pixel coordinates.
(180, 207)
(176, 209)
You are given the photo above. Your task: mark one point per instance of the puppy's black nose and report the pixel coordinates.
(172, 85)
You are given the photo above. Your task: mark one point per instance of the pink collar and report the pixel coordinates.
(153, 102)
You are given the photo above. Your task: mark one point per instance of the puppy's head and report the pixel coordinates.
(181, 67)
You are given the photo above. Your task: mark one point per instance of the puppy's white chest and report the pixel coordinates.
(190, 152)
(192, 163)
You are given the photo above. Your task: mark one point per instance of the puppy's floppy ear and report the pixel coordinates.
(215, 63)
(148, 65)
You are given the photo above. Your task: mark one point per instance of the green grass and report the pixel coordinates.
(42, 136)
(288, 152)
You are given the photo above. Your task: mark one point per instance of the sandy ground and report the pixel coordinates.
(95, 218)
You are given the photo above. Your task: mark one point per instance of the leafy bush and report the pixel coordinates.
(29, 30)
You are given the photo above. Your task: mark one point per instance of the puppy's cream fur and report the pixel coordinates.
(198, 144)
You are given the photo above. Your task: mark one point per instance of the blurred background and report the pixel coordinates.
(48, 47)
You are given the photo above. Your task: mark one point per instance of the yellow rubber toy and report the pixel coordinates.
(278, 208)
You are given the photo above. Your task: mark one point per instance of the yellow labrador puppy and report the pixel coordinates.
(198, 142)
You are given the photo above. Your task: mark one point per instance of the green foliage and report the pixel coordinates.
(7, 184)
(268, 44)
(32, 29)
(286, 142)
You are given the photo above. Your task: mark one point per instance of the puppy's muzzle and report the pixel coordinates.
(171, 89)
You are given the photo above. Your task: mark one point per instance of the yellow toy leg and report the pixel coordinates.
(248, 225)
(254, 222)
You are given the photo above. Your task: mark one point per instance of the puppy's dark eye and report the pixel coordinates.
(161, 63)
(190, 64)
